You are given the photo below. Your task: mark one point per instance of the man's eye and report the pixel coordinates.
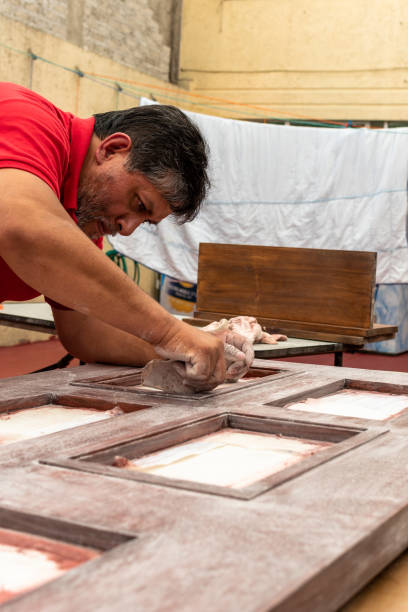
(140, 206)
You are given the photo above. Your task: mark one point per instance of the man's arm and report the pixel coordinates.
(92, 340)
(44, 247)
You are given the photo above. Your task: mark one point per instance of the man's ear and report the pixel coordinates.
(117, 143)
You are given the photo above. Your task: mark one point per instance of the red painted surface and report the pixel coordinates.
(367, 361)
(37, 550)
(26, 358)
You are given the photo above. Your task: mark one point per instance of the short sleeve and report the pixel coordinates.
(34, 136)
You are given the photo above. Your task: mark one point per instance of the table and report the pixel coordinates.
(37, 316)
(299, 346)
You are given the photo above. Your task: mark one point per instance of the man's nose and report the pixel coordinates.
(128, 224)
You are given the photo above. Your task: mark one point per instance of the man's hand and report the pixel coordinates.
(196, 360)
(238, 349)
(172, 377)
(239, 355)
(202, 355)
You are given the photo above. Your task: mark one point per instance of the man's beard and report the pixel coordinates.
(92, 201)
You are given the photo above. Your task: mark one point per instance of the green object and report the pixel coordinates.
(120, 260)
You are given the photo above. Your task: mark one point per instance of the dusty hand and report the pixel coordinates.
(201, 354)
(238, 350)
(239, 355)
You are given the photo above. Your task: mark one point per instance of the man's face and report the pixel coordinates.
(112, 200)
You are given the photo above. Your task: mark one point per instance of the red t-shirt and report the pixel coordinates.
(38, 137)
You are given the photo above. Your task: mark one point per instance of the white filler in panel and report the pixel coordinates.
(28, 561)
(355, 403)
(228, 458)
(24, 569)
(33, 422)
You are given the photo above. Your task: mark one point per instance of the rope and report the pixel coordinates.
(168, 93)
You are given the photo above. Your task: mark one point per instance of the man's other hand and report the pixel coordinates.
(202, 354)
(239, 355)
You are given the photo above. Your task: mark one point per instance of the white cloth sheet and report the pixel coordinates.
(274, 185)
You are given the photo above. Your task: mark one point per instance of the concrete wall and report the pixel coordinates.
(332, 59)
(137, 33)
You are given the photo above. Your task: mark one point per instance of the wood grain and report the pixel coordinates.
(343, 440)
(57, 529)
(308, 544)
(306, 285)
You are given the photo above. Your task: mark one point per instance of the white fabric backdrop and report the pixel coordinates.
(290, 186)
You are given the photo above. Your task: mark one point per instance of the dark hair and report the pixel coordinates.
(167, 148)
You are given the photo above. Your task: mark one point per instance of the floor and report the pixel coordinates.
(27, 358)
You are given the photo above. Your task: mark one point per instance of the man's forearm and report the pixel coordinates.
(93, 341)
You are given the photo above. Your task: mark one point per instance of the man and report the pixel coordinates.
(65, 182)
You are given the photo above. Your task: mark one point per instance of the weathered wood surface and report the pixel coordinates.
(306, 285)
(248, 492)
(249, 555)
(133, 383)
(308, 544)
(388, 592)
(344, 438)
(72, 532)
